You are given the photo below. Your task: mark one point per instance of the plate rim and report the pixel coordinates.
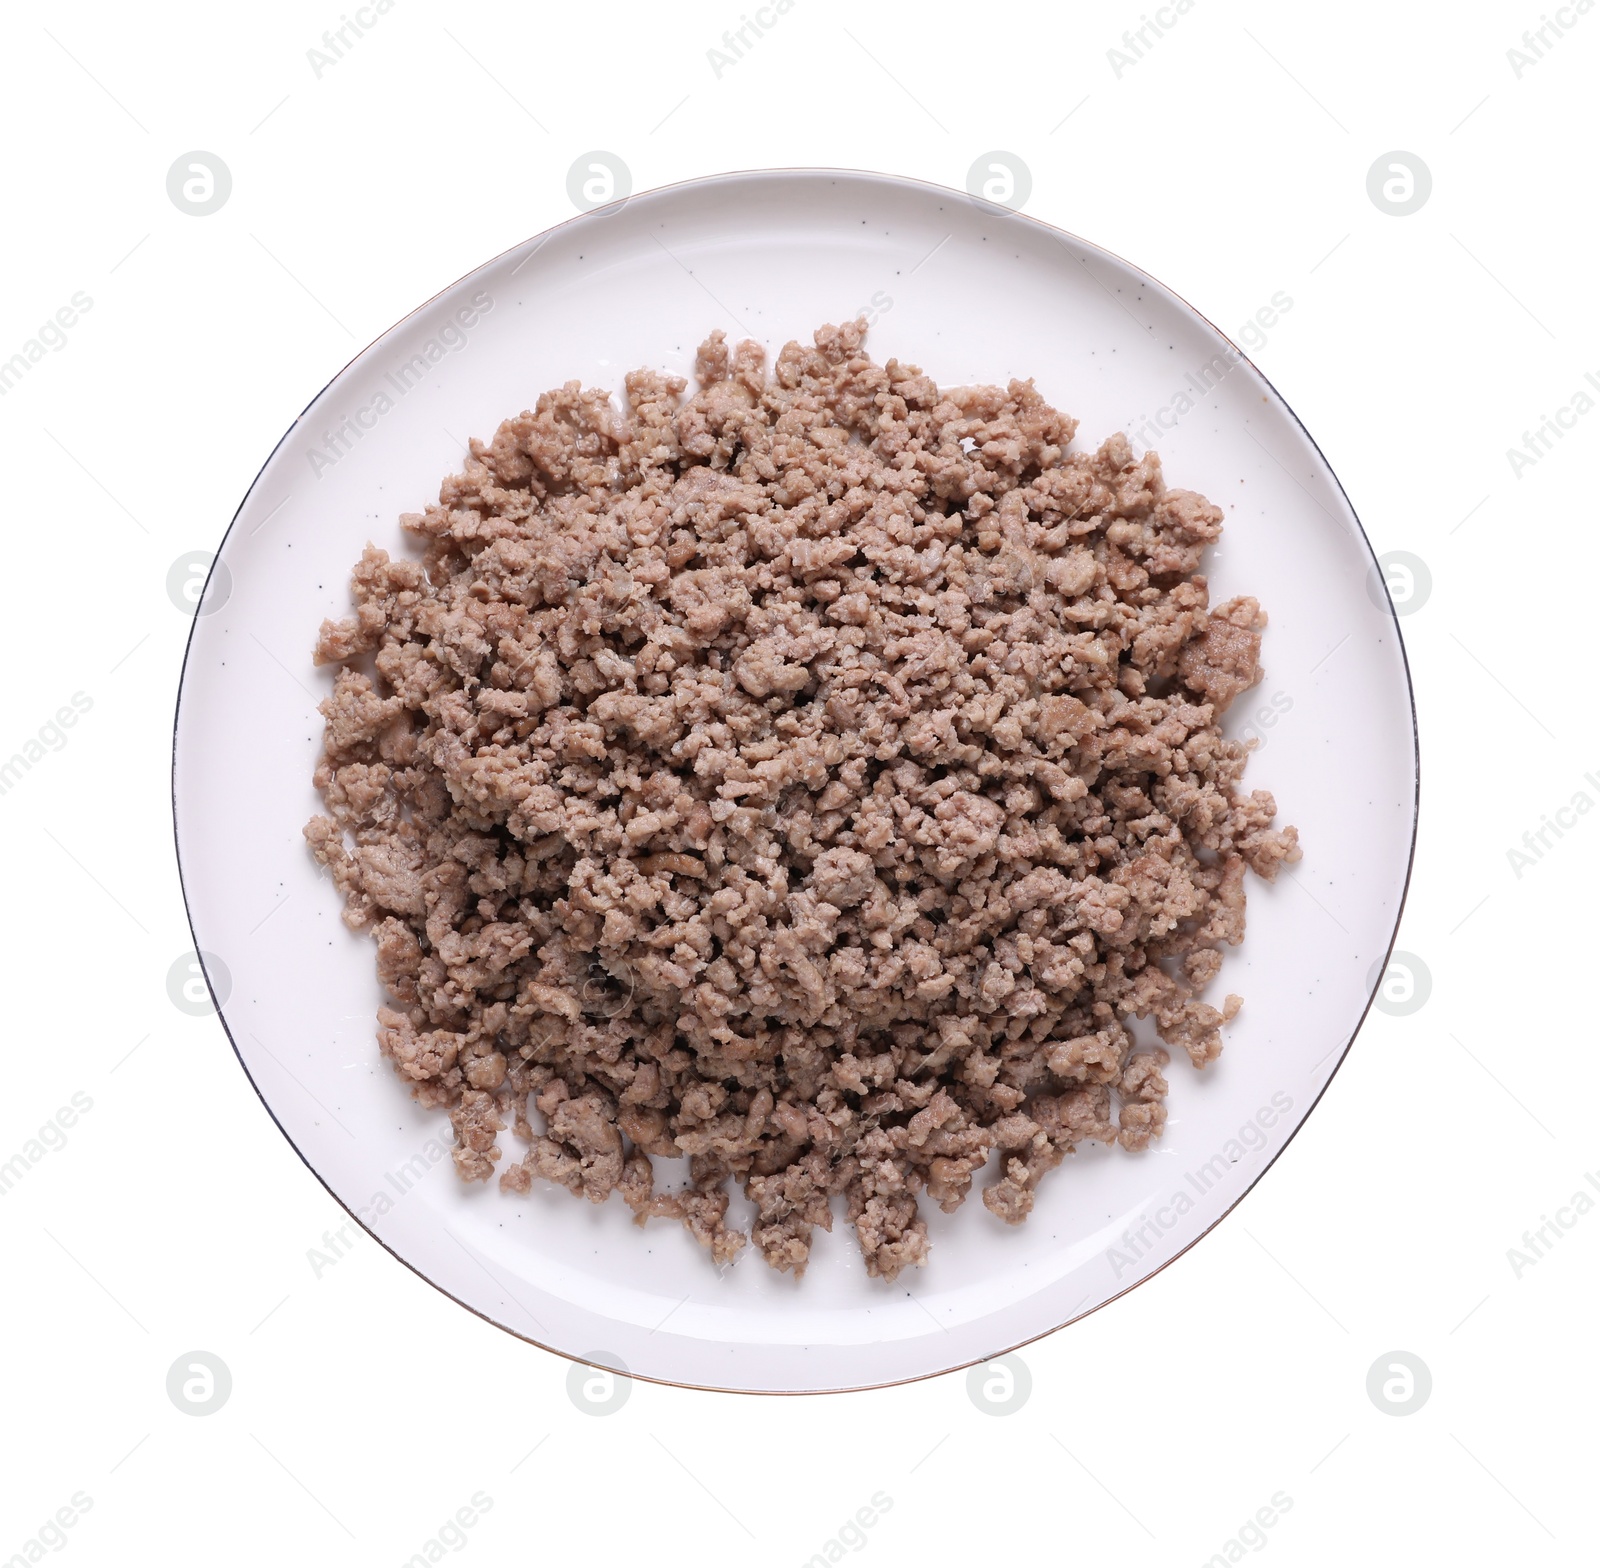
(923, 186)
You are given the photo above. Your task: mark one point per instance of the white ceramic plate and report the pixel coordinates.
(971, 293)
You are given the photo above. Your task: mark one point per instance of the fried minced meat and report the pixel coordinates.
(811, 776)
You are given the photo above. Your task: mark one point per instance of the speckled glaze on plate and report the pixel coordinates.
(971, 293)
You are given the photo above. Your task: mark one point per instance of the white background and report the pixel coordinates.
(1231, 162)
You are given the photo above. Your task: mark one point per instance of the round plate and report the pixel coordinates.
(970, 293)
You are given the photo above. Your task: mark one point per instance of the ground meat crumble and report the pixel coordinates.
(811, 777)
